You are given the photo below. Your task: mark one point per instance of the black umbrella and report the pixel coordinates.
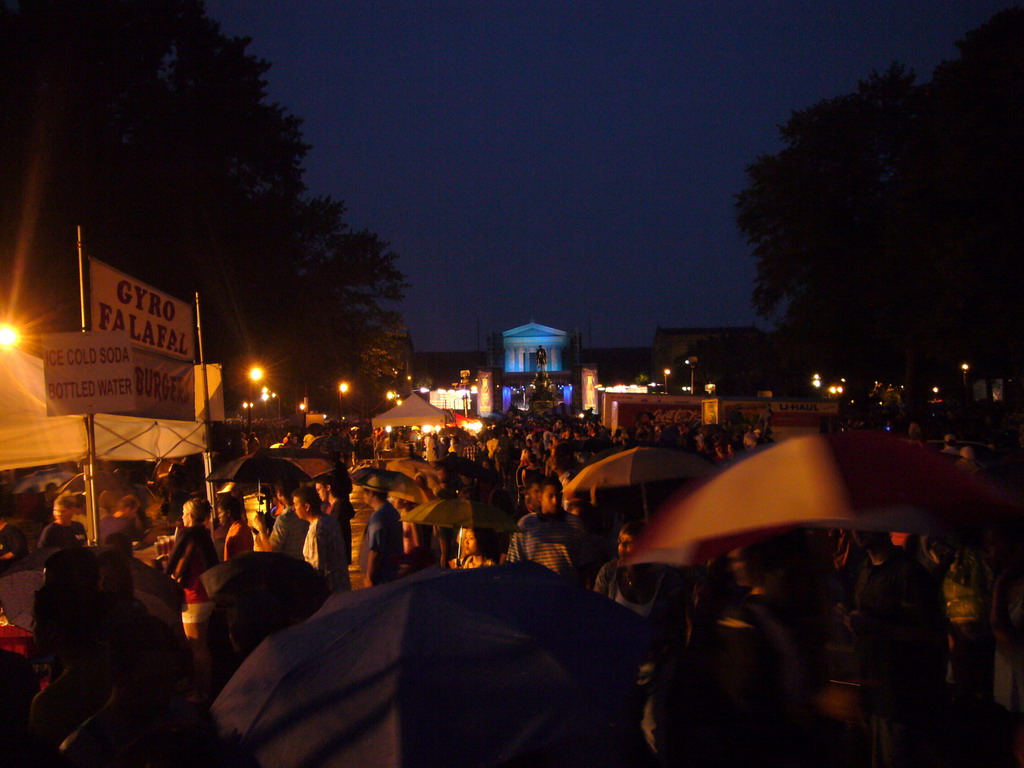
(159, 593)
(259, 467)
(379, 673)
(18, 588)
(295, 583)
(460, 465)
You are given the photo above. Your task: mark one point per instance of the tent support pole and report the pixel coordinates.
(211, 495)
(92, 513)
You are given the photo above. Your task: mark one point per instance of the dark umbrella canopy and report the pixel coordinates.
(469, 668)
(460, 465)
(296, 585)
(258, 467)
(18, 588)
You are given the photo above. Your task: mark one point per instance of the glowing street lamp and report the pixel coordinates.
(9, 336)
(692, 362)
(667, 372)
(255, 374)
(342, 391)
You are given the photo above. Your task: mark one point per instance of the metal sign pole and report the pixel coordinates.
(211, 495)
(92, 512)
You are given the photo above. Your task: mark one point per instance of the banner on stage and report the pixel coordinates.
(485, 393)
(89, 373)
(589, 389)
(151, 318)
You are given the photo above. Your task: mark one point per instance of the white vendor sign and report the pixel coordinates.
(153, 320)
(88, 373)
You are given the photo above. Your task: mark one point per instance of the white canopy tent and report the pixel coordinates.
(28, 437)
(413, 412)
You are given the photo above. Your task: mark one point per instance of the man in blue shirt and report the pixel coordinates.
(381, 553)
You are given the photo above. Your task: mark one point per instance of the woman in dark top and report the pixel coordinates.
(193, 555)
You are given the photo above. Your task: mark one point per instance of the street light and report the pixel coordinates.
(255, 374)
(692, 362)
(667, 372)
(965, 367)
(8, 336)
(342, 390)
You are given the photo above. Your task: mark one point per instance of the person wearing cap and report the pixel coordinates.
(382, 550)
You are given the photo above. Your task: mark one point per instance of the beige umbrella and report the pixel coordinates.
(638, 466)
(412, 466)
(394, 483)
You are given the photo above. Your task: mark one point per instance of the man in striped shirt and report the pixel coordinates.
(551, 536)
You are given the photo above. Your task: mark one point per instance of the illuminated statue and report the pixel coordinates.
(543, 397)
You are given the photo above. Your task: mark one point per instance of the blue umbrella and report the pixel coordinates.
(38, 480)
(468, 668)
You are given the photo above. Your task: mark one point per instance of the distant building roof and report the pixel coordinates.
(532, 329)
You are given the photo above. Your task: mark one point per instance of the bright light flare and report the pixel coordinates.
(9, 336)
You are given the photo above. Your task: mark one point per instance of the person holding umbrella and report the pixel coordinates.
(323, 548)
(475, 549)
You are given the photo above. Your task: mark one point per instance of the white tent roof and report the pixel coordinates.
(29, 438)
(413, 412)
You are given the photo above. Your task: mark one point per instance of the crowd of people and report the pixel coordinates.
(816, 648)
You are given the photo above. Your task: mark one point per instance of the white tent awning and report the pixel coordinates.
(413, 412)
(29, 438)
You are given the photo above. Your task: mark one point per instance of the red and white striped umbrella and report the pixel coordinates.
(853, 480)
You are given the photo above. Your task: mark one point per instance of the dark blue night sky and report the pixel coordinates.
(571, 163)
